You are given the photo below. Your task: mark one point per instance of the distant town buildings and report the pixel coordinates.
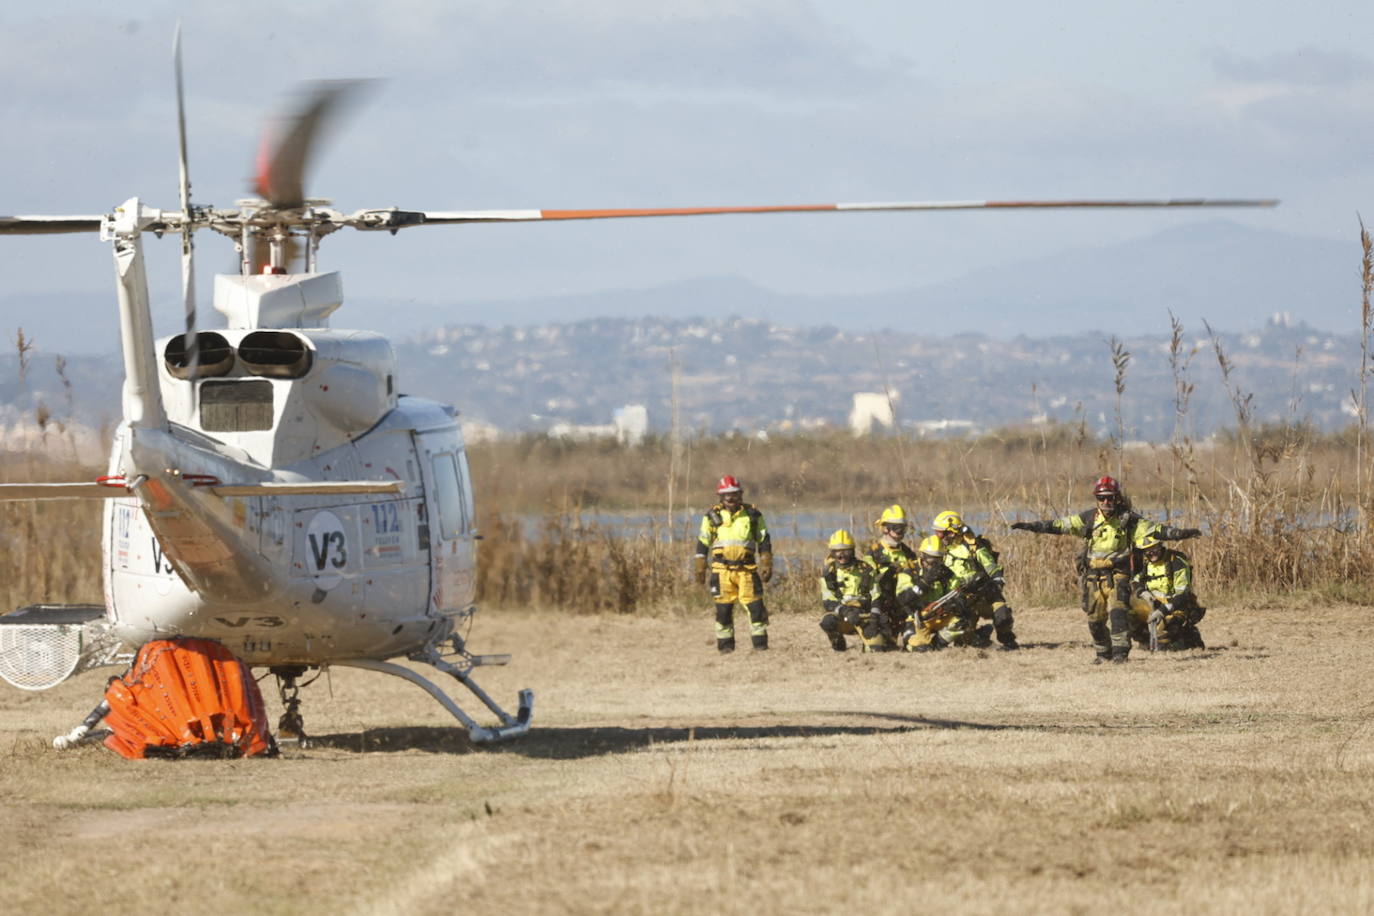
(629, 425)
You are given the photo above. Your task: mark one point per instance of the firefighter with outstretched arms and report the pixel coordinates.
(734, 547)
(1164, 610)
(847, 597)
(889, 556)
(978, 573)
(1112, 536)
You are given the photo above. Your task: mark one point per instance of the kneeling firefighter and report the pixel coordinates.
(847, 598)
(888, 557)
(1164, 611)
(937, 616)
(977, 573)
(734, 542)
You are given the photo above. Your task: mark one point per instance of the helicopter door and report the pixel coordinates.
(448, 495)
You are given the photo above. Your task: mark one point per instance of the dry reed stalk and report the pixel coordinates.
(1363, 497)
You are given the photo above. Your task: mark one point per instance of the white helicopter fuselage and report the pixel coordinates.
(295, 578)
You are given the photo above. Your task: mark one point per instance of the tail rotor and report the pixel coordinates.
(188, 270)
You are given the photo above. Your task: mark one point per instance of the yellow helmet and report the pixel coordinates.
(931, 546)
(893, 515)
(841, 540)
(949, 520)
(1149, 540)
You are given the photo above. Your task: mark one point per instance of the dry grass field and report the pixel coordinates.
(661, 777)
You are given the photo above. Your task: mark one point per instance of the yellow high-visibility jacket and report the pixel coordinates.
(733, 538)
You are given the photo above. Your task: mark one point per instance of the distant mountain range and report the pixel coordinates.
(1233, 277)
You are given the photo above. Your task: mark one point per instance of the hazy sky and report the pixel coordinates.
(621, 103)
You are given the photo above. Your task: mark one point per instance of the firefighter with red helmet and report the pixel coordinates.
(734, 547)
(1113, 534)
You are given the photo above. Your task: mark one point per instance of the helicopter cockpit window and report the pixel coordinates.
(235, 406)
(449, 493)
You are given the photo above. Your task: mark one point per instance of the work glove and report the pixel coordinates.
(1185, 533)
(766, 566)
(999, 581)
(699, 569)
(1026, 526)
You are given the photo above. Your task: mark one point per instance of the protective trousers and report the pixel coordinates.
(738, 584)
(1106, 601)
(988, 607)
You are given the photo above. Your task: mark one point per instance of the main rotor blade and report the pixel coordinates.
(501, 216)
(188, 270)
(281, 168)
(48, 225)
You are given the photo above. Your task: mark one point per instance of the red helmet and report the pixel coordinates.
(728, 484)
(1106, 486)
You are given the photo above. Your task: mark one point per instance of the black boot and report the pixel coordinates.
(1002, 622)
(837, 642)
(1103, 655)
(724, 646)
(1119, 656)
(760, 640)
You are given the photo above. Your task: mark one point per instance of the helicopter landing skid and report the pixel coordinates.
(510, 727)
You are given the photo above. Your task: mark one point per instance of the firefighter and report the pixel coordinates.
(978, 573)
(937, 613)
(847, 597)
(1112, 534)
(734, 543)
(1164, 610)
(889, 556)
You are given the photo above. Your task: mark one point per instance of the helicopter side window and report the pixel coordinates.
(449, 494)
(465, 476)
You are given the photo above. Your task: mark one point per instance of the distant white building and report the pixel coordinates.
(629, 425)
(871, 407)
(944, 427)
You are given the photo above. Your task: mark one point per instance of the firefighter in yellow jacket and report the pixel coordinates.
(889, 556)
(978, 573)
(734, 544)
(847, 597)
(937, 616)
(1164, 610)
(1112, 534)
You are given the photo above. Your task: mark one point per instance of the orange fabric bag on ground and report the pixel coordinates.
(186, 698)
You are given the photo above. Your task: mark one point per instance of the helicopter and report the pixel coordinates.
(269, 487)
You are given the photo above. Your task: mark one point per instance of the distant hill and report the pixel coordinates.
(1232, 276)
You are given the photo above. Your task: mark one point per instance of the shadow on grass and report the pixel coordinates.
(575, 743)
